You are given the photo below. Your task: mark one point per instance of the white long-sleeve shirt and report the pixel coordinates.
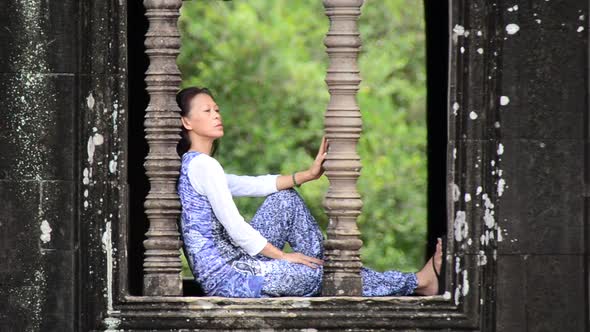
(208, 178)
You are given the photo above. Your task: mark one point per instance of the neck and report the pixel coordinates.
(201, 144)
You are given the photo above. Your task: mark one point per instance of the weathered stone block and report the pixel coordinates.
(37, 126)
(40, 34)
(542, 208)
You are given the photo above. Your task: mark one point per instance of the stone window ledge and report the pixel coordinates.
(284, 313)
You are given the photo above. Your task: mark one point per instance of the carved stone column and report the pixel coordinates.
(162, 263)
(343, 127)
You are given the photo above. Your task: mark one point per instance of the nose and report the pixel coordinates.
(216, 116)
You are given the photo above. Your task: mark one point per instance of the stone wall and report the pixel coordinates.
(60, 134)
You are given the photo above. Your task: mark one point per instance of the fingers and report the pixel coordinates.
(314, 260)
(321, 150)
(312, 265)
(306, 260)
(311, 262)
(323, 147)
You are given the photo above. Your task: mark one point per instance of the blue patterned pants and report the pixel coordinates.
(284, 217)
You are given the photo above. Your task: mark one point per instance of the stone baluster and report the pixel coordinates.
(343, 127)
(162, 263)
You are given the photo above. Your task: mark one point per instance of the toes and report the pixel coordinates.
(439, 248)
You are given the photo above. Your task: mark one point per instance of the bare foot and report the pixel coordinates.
(427, 280)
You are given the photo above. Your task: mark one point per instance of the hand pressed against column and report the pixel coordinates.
(314, 172)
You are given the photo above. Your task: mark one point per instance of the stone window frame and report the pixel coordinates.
(470, 265)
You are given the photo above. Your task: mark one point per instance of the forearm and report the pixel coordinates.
(286, 181)
(271, 251)
(294, 257)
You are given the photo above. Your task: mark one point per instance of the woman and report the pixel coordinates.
(232, 258)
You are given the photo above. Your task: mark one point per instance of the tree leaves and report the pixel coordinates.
(265, 62)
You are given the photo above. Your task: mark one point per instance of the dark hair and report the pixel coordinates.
(183, 99)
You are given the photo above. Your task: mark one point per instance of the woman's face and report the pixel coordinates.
(204, 118)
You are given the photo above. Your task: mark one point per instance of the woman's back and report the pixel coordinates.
(221, 267)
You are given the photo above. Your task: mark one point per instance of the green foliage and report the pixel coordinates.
(265, 62)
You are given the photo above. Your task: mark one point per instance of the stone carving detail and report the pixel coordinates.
(162, 263)
(343, 128)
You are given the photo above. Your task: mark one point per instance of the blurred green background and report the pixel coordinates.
(265, 63)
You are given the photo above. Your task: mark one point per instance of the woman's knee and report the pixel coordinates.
(289, 193)
(286, 198)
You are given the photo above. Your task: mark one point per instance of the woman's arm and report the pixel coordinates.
(263, 185)
(252, 186)
(313, 173)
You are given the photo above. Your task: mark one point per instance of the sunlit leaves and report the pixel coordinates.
(266, 63)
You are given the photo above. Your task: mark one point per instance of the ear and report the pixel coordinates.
(185, 123)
